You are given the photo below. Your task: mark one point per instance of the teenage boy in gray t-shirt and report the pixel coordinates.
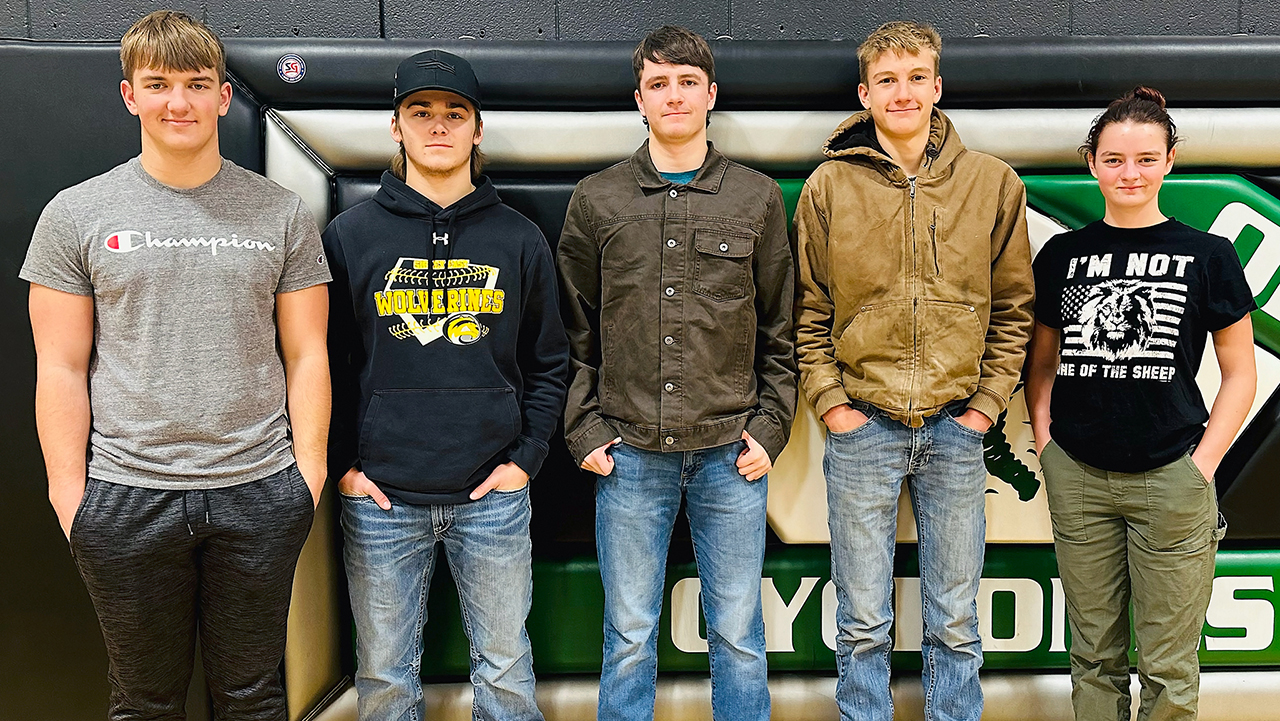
(169, 420)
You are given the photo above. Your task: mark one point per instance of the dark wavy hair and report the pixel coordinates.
(1141, 105)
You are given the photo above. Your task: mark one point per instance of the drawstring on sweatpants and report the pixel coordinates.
(186, 516)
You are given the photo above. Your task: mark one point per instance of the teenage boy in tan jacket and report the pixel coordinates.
(914, 307)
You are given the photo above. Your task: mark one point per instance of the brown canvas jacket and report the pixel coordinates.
(912, 292)
(678, 306)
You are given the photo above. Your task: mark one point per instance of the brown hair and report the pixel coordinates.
(900, 36)
(173, 41)
(1141, 105)
(674, 45)
(399, 161)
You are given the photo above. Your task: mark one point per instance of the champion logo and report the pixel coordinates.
(434, 64)
(127, 241)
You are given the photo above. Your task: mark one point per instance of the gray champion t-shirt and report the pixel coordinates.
(186, 384)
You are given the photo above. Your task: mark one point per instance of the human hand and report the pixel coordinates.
(754, 461)
(599, 461)
(314, 476)
(1207, 466)
(506, 477)
(844, 418)
(356, 483)
(974, 420)
(65, 499)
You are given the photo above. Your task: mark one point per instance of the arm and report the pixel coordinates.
(543, 356)
(1012, 293)
(578, 256)
(814, 314)
(62, 326)
(1041, 369)
(773, 269)
(1234, 348)
(301, 318)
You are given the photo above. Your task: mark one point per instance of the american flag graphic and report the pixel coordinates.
(1122, 319)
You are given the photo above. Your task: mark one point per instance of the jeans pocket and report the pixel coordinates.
(960, 427)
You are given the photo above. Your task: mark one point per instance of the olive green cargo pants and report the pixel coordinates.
(1147, 538)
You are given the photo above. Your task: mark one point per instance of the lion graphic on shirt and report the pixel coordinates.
(1117, 318)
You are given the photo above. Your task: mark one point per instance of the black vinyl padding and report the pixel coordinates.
(784, 75)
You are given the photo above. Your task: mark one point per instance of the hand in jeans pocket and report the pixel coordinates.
(356, 484)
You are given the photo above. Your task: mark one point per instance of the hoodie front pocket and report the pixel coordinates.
(435, 439)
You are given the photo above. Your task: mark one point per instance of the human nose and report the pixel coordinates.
(179, 103)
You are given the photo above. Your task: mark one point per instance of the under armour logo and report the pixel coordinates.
(435, 65)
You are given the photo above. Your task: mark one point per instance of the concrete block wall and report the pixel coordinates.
(593, 20)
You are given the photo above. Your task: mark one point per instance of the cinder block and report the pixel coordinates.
(594, 20)
(481, 19)
(1260, 17)
(13, 20)
(1154, 17)
(275, 19)
(999, 18)
(105, 20)
(799, 20)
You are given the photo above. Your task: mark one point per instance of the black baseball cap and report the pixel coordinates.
(436, 70)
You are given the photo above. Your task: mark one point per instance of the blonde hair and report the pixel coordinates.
(170, 40)
(903, 37)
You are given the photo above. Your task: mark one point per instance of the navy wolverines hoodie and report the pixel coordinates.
(446, 347)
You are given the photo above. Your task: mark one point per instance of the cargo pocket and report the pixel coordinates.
(872, 349)
(434, 439)
(953, 341)
(1181, 507)
(722, 269)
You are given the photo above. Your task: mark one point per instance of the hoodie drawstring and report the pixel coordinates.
(186, 515)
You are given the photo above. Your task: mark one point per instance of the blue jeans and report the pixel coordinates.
(636, 506)
(942, 464)
(389, 557)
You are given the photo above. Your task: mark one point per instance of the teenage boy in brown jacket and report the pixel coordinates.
(678, 289)
(913, 311)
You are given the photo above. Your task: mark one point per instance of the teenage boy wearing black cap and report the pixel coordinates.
(448, 361)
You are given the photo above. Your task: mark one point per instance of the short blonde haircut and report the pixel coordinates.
(903, 37)
(170, 40)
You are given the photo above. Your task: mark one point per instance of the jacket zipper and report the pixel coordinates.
(915, 304)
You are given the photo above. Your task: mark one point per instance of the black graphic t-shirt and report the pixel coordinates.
(1134, 307)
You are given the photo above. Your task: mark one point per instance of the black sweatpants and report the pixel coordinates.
(157, 562)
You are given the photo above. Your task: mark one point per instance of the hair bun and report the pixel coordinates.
(1150, 94)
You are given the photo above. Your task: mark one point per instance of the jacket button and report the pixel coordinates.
(670, 387)
(671, 242)
(675, 193)
(971, 310)
(865, 308)
(724, 247)
(670, 440)
(670, 291)
(668, 340)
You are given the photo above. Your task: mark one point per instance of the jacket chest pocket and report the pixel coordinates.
(722, 266)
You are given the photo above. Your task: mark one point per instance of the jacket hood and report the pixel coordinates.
(856, 138)
(396, 196)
